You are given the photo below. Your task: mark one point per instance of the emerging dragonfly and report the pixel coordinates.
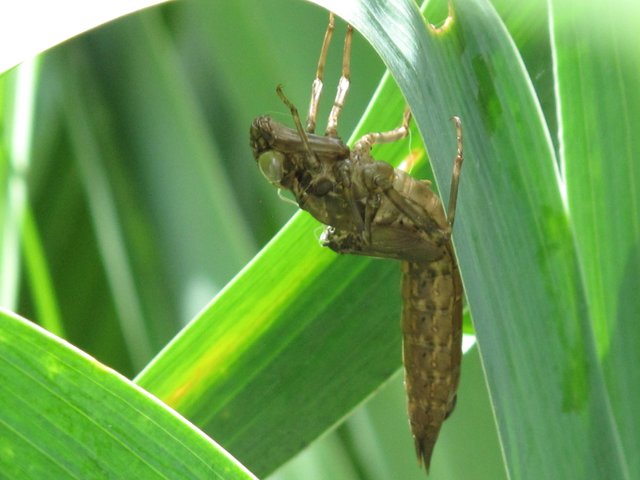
(372, 209)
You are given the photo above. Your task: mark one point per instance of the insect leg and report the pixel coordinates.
(367, 141)
(316, 86)
(455, 175)
(343, 86)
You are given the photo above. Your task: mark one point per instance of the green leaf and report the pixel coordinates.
(517, 256)
(64, 415)
(598, 78)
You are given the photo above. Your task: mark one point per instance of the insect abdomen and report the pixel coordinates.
(432, 329)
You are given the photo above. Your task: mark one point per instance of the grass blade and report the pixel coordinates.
(64, 415)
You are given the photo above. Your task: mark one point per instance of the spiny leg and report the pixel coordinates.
(316, 86)
(455, 175)
(343, 86)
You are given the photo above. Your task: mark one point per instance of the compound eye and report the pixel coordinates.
(271, 165)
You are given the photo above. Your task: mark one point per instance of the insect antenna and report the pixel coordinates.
(312, 159)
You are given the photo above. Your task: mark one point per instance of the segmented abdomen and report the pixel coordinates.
(432, 348)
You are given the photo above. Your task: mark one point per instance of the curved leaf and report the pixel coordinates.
(64, 415)
(517, 256)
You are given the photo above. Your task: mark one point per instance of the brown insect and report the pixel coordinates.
(372, 209)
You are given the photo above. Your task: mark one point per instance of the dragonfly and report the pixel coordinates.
(371, 208)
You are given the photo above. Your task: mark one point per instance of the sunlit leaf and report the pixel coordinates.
(64, 415)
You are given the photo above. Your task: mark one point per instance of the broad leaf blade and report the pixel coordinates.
(64, 415)
(513, 238)
(598, 78)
